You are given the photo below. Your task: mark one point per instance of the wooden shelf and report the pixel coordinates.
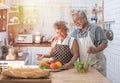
(12, 11)
(2, 6)
(18, 58)
(47, 44)
(13, 23)
(3, 17)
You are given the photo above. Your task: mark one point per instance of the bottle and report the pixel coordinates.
(37, 38)
(11, 55)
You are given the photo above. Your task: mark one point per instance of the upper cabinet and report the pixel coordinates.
(2, 1)
(13, 14)
(3, 17)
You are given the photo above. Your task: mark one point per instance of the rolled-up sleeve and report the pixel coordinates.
(100, 35)
(74, 33)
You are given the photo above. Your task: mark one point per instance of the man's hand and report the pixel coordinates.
(91, 50)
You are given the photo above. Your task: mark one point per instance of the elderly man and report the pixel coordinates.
(91, 40)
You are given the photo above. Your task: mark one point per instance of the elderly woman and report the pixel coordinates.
(64, 48)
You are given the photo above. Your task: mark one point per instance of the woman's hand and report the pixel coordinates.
(54, 39)
(40, 56)
(67, 66)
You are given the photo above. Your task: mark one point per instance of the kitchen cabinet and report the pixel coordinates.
(2, 1)
(3, 18)
(13, 16)
(19, 61)
(32, 51)
(12, 33)
(13, 23)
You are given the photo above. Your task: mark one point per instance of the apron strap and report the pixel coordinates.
(69, 41)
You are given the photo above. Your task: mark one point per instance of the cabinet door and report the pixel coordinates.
(11, 34)
(3, 20)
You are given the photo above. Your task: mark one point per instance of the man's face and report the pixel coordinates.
(78, 20)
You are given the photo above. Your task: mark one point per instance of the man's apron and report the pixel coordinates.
(96, 60)
(62, 53)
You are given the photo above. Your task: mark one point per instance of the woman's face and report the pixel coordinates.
(61, 33)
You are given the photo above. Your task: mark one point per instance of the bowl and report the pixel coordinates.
(79, 66)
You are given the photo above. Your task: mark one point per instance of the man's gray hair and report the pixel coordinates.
(81, 13)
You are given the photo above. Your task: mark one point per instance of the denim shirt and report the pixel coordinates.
(96, 33)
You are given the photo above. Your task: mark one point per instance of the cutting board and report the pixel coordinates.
(15, 80)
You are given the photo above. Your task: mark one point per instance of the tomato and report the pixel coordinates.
(53, 66)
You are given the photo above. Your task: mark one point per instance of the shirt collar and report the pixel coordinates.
(59, 40)
(86, 29)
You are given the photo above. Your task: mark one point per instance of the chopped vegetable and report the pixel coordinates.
(79, 66)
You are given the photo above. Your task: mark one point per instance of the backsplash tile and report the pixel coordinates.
(2, 36)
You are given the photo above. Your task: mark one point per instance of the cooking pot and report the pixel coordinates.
(109, 34)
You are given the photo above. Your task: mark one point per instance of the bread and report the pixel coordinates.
(25, 73)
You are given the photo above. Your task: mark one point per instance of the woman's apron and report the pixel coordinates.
(62, 53)
(96, 60)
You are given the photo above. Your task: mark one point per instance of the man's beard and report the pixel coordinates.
(80, 26)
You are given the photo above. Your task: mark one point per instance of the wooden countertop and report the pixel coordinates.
(22, 57)
(47, 44)
(72, 76)
(67, 76)
(19, 58)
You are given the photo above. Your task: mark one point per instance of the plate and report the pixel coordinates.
(23, 66)
(55, 70)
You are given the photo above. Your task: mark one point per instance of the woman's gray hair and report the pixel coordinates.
(81, 13)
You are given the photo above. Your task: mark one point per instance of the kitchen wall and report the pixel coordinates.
(60, 10)
(51, 11)
(112, 16)
(3, 35)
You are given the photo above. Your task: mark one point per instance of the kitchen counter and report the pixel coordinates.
(72, 76)
(67, 76)
(18, 58)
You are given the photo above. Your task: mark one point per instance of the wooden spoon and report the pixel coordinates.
(86, 62)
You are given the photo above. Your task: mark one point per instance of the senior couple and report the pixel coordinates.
(85, 39)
